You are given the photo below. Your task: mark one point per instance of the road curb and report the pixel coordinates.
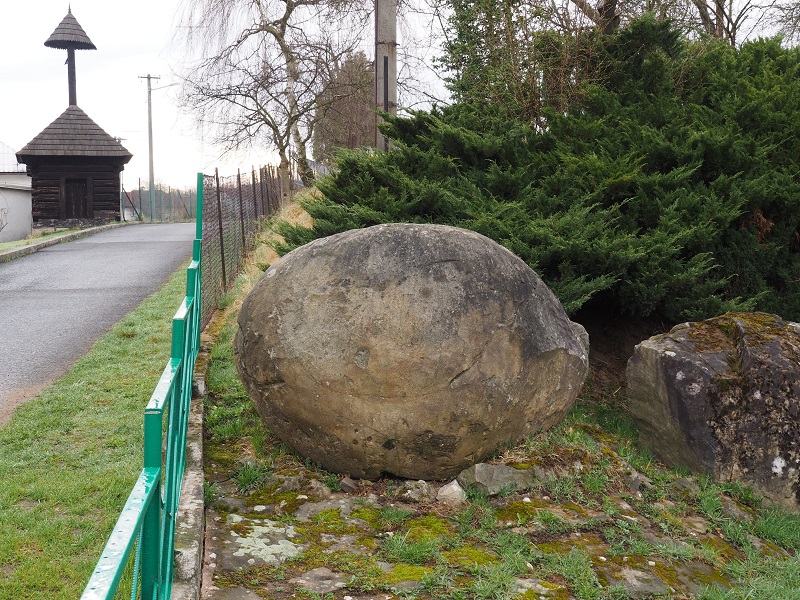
(190, 517)
(67, 237)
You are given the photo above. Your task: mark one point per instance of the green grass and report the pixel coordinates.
(763, 578)
(69, 458)
(399, 548)
(6, 246)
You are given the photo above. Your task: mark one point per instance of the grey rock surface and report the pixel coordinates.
(417, 491)
(412, 350)
(722, 397)
(492, 479)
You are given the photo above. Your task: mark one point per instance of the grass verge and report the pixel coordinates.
(69, 457)
(34, 238)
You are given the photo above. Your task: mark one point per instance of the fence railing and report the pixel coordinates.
(232, 208)
(146, 525)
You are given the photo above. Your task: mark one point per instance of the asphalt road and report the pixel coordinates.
(56, 303)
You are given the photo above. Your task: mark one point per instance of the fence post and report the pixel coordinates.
(274, 195)
(151, 526)
(255, 196)
(221, 238)
(241, 211)
(265, 198)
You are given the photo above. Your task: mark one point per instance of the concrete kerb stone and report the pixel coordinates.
(68, 237)
(190, 518)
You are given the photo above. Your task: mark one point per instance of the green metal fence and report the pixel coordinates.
(145, 531)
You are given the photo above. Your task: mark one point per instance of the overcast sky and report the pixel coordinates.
(132, 39)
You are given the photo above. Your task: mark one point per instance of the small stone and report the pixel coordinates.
(290, 483)
(319, 490)
(733, 509)
(686, 485)
(696, 524)
(417, 491)
(452, 494)
(302, 497)
(407, 586)
(637, 481)
(651, 563)
(348, 485)
(321, 581)
(603, 558)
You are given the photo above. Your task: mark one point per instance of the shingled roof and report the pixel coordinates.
(74, 134)
(69, 34)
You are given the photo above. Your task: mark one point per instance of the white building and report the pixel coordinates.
(16, 222)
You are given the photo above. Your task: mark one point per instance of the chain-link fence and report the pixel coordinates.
(232, 209)
(165, 204)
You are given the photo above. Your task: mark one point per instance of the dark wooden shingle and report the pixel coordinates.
(73, 134)
(69, 34)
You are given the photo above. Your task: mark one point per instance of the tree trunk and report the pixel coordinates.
(292, 77)
(285, 175)
(304, 170)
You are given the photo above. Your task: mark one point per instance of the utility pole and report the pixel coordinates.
(150, 132)
(385, 64)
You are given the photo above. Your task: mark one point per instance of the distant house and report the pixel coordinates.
(15, 197)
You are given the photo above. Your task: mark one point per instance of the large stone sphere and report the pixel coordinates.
(409, 350)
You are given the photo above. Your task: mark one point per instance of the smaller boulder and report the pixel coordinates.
(494, 479)
(722, 397)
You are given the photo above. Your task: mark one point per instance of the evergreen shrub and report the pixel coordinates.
(671, 187)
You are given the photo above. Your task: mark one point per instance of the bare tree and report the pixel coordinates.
(730, 20)
(262, 68)
(785, 19)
